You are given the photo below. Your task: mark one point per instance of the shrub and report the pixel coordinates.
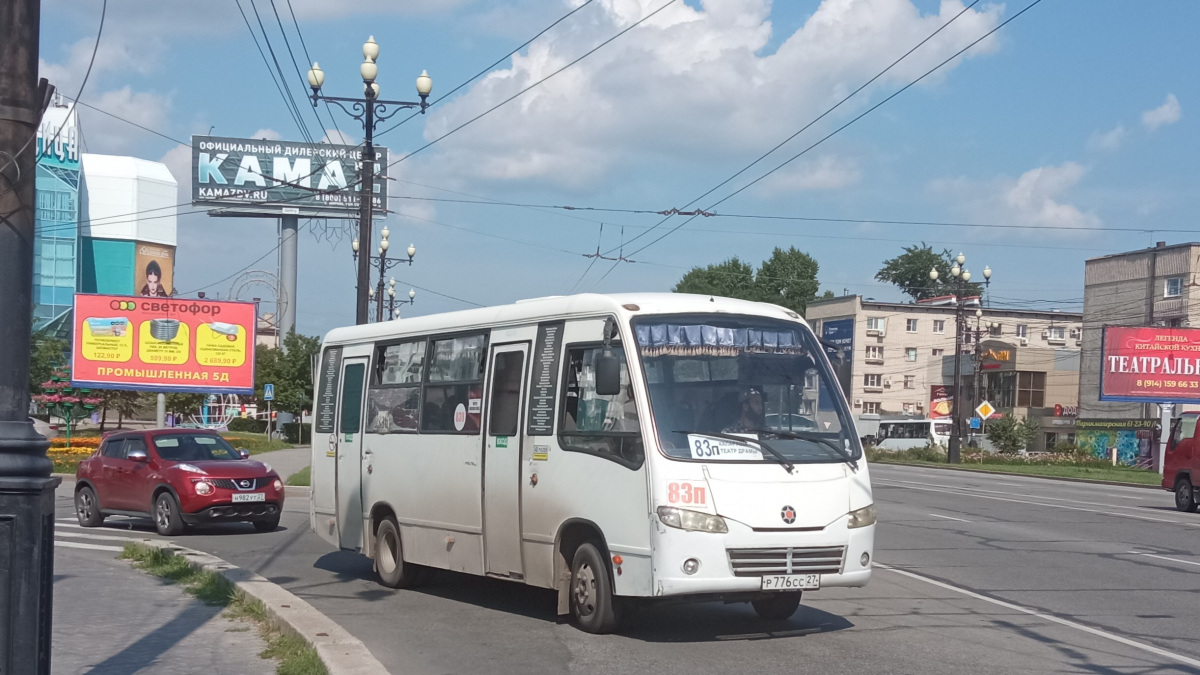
(248, 424)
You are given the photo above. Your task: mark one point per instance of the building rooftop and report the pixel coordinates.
(1160, 246)
(940, 305)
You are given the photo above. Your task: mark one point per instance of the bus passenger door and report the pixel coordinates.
(349, 453)
(502, 462)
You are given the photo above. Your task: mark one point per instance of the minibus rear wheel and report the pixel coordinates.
(777, 607)
(1185, 495)
(593, 605)
(389, 557)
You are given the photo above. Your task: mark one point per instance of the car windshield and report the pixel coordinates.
(743, 377)
(194, 448)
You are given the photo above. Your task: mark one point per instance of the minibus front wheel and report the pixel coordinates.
(593, 605)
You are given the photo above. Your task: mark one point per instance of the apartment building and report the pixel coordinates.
(903, 363)
(1155, 286)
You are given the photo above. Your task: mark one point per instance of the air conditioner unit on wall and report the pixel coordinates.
(1024, 342)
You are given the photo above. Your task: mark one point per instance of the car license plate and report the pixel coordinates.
(791, 582)
(250, 497)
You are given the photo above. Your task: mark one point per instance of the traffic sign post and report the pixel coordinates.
(985, 410)
(976, 423)
(268, 396)
(268, 392)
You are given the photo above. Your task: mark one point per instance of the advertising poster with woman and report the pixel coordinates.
(154, 270)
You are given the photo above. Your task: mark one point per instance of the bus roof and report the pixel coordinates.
(563, 306)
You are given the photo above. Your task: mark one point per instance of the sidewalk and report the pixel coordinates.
(286, 462)
(111, 618)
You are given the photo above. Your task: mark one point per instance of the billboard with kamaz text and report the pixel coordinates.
(163, 344)
(246, 177)
(1150, 364)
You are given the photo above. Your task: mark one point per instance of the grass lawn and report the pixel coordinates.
(1107, 473)
(294, 655)
(302, 477)
(255, 443)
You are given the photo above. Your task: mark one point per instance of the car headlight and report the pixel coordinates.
(190, 468)
(278, 485)
(203, 488)
(862, 517)
(692, 521)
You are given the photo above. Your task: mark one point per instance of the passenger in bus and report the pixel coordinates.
(751, 416)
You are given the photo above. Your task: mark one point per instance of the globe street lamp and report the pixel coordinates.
(370, 110)
(394, 313)
(383, 264)
(959, 285)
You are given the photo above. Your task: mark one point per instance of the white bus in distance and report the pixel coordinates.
(614, 448)
(908, 434)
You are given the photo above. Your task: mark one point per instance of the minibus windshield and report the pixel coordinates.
(716, 379)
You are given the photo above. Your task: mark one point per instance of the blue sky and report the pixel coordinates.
(1076, 118)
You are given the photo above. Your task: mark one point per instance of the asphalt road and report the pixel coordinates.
(979, 574)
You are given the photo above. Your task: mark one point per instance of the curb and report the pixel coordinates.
(1093, 481)
(341, 652)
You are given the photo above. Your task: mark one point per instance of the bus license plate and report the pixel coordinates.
(791, 582)
(253, 497)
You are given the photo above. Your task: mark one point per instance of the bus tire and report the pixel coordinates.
(1185, 496)
(389, 557)
(777, 607)
(594, 607)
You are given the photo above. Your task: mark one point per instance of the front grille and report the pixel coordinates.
(755, 562)
(233, 483)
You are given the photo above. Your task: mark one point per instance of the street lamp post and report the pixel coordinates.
(383, 264)
(392, 312)
(979, 326)
(370, 110)
(959, 286)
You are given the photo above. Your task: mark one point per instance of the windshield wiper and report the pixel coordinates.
(742, 439)
(819, 438)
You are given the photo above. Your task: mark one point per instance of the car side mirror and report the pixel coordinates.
(608, 374)
(137, 456)
(245, 454)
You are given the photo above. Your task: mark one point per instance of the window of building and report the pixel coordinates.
(1173, 288)
(995, 330)
(939, 352)
(1051, 440)
(968, 337)
(600, 425)
(910, 354)
(910, 408)
(874, 353)
(939, 325)
(1022, 330)
(876, 323)
(1016, 389)
(1057, 333)
(873, 380)
(453, 395)
(911, 325)
(910, 381)
(870, 407)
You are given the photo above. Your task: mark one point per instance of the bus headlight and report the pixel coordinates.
(862, 517)
(692, 521)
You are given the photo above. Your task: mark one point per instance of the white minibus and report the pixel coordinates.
(614, 448)
(908, 434)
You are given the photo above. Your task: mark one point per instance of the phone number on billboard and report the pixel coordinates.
(1170, 384)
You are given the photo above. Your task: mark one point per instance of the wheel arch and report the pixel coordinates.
(571, 533)
(379, 512)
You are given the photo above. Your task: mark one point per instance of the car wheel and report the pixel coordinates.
(389, 557)
(593, 605)
(268, 525)
(1185, 498)
(167, 519)
(87, 508)
(777, 607)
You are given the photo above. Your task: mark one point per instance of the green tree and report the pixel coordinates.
(181, 405)
(788, 278)
(45, 354)
(909, 271)
(123, 403)
(1010, 434)
(730, 279)
(290, 370)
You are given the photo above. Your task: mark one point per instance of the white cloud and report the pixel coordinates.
(829, 172)
(1167, 113)
(1037, 197)
(179, 161)
(688, 85)
(1107, 141)
(105, 135)
(337, 137)
(266, 135)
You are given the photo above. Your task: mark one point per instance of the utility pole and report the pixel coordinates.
(366, 188)
(26, 487)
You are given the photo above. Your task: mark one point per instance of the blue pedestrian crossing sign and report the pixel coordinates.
(268, 392)
(976, 423)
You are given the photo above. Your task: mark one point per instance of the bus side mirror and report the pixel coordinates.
(608, 374)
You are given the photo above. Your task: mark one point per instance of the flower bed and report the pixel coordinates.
(76, 442)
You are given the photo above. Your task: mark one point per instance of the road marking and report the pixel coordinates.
(1163, 557)
(949, 518)
(80, 535)
(1030, 482)
(1002, 492)
(93, 547)
(913, 486)
(1048, 617)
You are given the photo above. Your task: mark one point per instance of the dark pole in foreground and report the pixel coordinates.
(26, 488)
(366, 189)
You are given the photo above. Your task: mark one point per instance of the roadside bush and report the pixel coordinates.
(246, 424)
(930, 453)
(297, 433)
(1065, 448)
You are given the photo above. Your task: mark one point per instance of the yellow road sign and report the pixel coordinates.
(985, 410)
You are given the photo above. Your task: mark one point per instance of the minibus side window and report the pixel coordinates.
(606, 426)
(394, 399)
(452, 401)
